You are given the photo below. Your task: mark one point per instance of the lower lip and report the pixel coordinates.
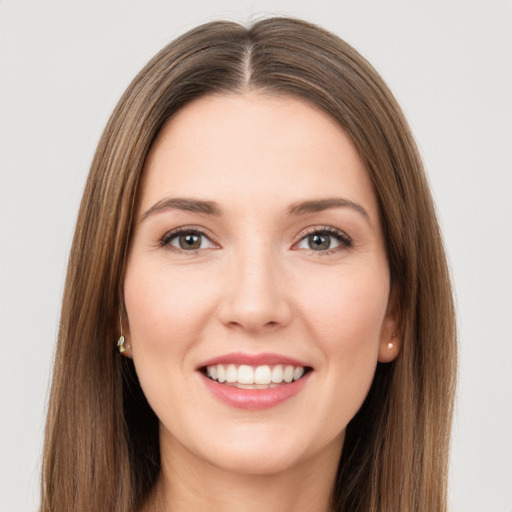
(255, 399)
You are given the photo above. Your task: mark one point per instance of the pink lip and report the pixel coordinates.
(255, 399)
(252, 360)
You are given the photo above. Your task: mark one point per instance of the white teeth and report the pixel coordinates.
(254, 386)
(231, 373)
(288, 374)
(254, 377)
(277, 374)
(245, 374)
(262, 375)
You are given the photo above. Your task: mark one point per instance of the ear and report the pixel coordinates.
(390, 337)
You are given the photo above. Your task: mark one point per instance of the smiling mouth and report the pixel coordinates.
(244, 376)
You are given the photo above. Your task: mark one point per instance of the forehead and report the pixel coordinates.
(232, 148)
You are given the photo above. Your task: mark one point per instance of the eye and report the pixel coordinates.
(324, 240)
(186, 240)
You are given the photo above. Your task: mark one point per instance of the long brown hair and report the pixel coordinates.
(101, 449)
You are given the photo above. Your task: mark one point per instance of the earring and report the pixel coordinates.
(120, 344)
(391, 344)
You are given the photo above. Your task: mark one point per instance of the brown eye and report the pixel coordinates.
(189, 241)
(186, 240)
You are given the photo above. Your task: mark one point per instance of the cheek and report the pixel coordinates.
(343, 313)
(347, 321)
(166, 311)
(346, 313)
(164, 306)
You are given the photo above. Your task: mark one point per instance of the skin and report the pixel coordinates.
(256, 284)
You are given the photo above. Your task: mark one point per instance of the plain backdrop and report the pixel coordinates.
(64, 65)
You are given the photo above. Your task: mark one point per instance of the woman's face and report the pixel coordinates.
(258, 256)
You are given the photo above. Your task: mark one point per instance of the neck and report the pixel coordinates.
(186, 483)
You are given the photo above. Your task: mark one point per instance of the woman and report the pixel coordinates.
(258, 234)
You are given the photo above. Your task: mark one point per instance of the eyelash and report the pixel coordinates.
(344, 241)
(166, 240)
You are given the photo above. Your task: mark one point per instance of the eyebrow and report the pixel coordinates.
(212, 208)
(184, 204)
(319, 205)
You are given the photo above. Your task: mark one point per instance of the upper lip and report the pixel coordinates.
(265, 358)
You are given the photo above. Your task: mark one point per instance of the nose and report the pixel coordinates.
(255, 296)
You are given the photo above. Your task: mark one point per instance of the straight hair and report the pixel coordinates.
(102, 447)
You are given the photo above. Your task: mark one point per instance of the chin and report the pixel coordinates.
(257, 461)
(261, 451)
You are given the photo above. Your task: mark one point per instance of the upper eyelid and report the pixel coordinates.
(344, 240)
(324, 229)
(330, 230)
(169, 235)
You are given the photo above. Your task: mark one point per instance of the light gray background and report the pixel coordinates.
(63, 67)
